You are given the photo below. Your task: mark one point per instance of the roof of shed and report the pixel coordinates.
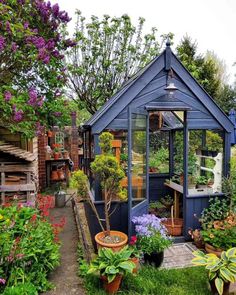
(167, 60)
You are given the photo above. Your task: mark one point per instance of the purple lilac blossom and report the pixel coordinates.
(18, 116)
(13, 47)
(32, 97)
(26, 25)
(2, 43)
(50, 44)
(55, 10)
(57, 114)
(22, 2)
(8, 27)
(7, 96)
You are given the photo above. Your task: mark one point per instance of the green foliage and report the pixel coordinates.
(202, 180)
(154, 243)
(221, 269)
(105, 142)
(109, 263)
(79, 181)
(27, 248)
(218, 210)
(160, 160)
(214, 141)
(21, 289)
(209, 71)
(156, 281)
(108, 52)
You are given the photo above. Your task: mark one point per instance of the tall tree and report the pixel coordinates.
(209, 71)
(108, 52)
(32, 50)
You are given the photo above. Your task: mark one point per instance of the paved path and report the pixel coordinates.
(65, 277)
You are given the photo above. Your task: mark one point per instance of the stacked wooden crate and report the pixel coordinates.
(18, 174)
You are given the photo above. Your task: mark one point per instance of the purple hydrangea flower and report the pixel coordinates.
(2, 43)
(7, 96)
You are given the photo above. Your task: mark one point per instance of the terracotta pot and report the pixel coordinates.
(225, 288)
(49, 133)
(115, 247)
(155, 258)
(210, 249)
(54, 175)
(113, 287)
(56, 156)
(174, 228)
(135, 260)
(60, 174)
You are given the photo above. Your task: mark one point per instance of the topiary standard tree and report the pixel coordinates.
(107, 169)
(32, 46)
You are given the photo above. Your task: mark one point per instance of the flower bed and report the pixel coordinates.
(29, 249)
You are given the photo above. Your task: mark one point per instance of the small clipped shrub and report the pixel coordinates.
(21, 289)
(79, 181)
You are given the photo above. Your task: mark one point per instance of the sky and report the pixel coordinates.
(212, 23)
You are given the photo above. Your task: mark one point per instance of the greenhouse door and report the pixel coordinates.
(138, 152)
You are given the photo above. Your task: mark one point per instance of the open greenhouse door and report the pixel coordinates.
(138, 152)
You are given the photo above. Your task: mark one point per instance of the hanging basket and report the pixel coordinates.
(173, 225)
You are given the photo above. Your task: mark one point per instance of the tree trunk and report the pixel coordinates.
(106, 213)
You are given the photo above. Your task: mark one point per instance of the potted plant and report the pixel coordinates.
(112, 266)
(135, 255)
(107, 169)
(153, 163)
(56, 153)
(156, 208)
(218, 226)
(222, 270)
(174, 225)
(201, 181)
(152, 238)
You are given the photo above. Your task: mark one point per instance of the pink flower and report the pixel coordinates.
(7, 96)
(133, 240)
(2, 281)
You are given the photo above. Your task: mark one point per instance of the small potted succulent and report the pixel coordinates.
(222, 270)
(112, 266)
(152, 238)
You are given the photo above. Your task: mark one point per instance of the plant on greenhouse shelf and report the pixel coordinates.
(222, 270)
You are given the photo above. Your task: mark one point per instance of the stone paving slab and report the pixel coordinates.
(178, 255)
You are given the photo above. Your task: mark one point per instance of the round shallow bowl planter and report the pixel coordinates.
(210, 249)
(174, 226)
(113, 287)
(214, 290)
(114, 246)
(155, 258)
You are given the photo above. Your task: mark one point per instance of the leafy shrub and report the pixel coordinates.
(28, 249)
(80, 181)
(21, 289)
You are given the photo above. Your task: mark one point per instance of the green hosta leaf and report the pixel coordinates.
(231, 253)
(232, 267)
(111, 277)
(108, 253)
(233, 259)
(111, 270)
(219, 285)
(198, 253)
(92, 270)
(127, 265)
(212, 275)
(199, 261)
(126, 254)
(102, 265)
(227, 274)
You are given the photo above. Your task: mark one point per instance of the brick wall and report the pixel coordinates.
(74, 141)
